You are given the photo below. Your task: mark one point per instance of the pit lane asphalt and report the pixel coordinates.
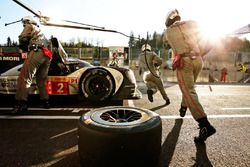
(49, 137)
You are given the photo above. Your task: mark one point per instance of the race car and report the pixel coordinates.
(72, 76)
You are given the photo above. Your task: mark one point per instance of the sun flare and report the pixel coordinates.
(213, 33)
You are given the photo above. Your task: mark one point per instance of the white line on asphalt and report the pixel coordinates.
(64, 133)
(38, 117)
(75, 110)
(239, 108)
(225, 86)
(59, 117)
(230, 116)
(209, 116)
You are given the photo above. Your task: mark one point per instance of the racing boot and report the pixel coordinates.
(21, 106)
(45, 104)
(182, 111)
(150, 95)
(206, 130)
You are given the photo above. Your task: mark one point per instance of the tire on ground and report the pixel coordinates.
(97, 84)
(119, 137)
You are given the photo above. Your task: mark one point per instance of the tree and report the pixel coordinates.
(72, 42)
(154, 41)
(246, 45)
(9, 41)
(137, 43)
(132, 42)
(14, 43)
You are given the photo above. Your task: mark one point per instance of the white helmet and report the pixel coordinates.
(145, 47)
(172, 16)
(29, 19)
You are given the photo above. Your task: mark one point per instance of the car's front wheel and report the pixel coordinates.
(97, 84)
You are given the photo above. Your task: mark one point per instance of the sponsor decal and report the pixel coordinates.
(59, 79)
(5, 58)
(73, 80)
(10, 57)
(24, 55)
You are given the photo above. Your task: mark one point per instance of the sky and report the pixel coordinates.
(217, 17)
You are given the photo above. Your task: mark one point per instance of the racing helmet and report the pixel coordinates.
(145, 47)
(172, 16)
(28, 19)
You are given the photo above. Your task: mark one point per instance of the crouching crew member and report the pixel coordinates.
(149, 65)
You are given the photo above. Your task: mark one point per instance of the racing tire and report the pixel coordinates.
(117, 136)
(97, 85)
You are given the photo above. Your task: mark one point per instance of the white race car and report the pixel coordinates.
(94, 83)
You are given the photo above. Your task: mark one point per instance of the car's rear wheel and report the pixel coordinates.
(97, 85)
(119, 137)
